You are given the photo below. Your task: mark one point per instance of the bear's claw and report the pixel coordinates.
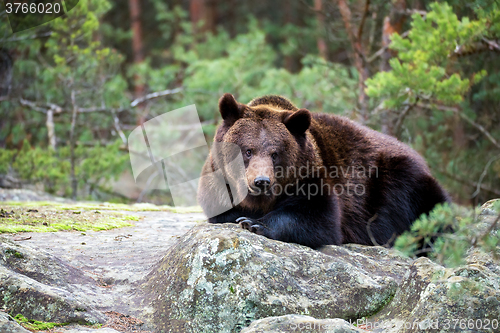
(250, 225)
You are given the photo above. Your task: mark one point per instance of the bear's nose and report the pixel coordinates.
(262, 182)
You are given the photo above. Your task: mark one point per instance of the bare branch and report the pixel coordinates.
(363, 19)
(116, 124)
(58, 109)
(413, 11)
(492, 44)
(93, 109)
(17, 39)
(52, 107)
(55, 108)
(477, 47)
(483, 174)
(383, 49)
(402, 117)
(368, 229)
(32, 105)
(372, 238)
(463, 116)
(157, 94)
(469, 182)
(130, 127)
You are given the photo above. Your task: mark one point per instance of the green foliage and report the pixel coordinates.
(256, 48)
(96, 166)
(100, 164)
(423, 68)
(6, 157)
(449, 231)
(71, 61)
(41, 165)
(441, 63)
(245, 67)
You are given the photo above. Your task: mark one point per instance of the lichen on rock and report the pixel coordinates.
(221, 278)
(299, 323)
(445, 299)
(42, 287)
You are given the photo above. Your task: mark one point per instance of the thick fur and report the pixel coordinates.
(397, 184)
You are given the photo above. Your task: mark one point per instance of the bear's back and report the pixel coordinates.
(348, 140)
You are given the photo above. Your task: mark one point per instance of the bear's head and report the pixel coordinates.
(274, 140)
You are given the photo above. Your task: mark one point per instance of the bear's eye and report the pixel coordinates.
(274, 156)
(248, 153)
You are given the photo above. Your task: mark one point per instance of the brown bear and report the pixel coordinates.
(317, 179)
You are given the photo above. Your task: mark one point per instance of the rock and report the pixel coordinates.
(220, 278)
(16, 194)
(9, 325)
(488, 208)
(37, 301)
(292, 323)
(39, 265)
(373, 259)
(432, 297)
(42, 287)
(83, 329)
(488, 216)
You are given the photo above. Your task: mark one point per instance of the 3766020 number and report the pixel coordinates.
(478, 324)
(33, 8)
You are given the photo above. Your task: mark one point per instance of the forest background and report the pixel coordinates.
(73, 89)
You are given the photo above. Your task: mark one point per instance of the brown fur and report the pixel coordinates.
(397, 183)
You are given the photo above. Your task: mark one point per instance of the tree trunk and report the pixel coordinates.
(137, 49)
(358, 56)
(393, 23)
(50, 128)
(74, 182)
(320, 17)
(6, 63)
(203, 10)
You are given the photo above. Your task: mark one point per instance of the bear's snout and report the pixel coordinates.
(262, 182)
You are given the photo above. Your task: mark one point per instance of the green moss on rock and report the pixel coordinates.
(220, 278)
(35, 325)
(54, 218)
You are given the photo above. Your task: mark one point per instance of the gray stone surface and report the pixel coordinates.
(27, 195)
(94, 271)
(298, 323)
(219, 278)
(9, 325)
(42, 287)
(462, 299)
(83, 329)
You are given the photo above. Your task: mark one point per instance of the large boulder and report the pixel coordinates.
(42, 287)
(9, 325)
(297, 323)
(460, 299)
(220, 278)
(431, 297)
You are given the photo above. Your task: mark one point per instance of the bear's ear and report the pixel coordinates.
(298, 122)
(229, 109)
